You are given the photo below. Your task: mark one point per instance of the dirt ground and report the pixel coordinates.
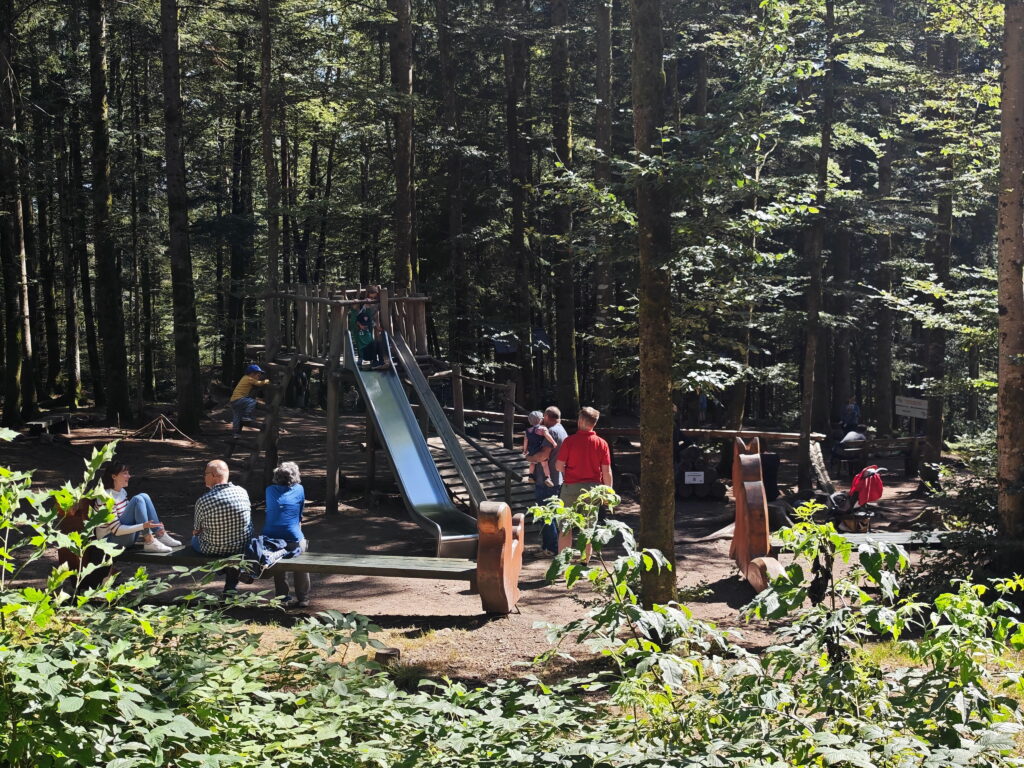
(435, 623)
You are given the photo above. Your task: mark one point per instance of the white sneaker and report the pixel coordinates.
(156, 546)
(168, 541)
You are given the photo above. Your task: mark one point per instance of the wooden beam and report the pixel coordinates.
(510, 413)
(457, 400)
(337, 326)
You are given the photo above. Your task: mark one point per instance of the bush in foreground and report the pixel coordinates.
(105, 677)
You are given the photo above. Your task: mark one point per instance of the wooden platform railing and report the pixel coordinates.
(306, 319)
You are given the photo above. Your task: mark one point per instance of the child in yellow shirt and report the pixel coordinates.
(242, 403)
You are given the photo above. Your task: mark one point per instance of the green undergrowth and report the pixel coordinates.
(109, 677)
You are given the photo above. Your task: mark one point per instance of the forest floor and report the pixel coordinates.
(436, 624)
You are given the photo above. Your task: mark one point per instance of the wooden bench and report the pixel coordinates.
(855, 455)
(45, 422)
(494, 574)
(442, 568)
(908, 539)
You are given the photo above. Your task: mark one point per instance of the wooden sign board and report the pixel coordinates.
(914, 407)
(693, 478)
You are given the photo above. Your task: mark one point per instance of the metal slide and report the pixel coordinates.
(435, 413)
(425, 494)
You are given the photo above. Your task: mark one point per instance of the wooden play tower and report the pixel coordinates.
(307, 326)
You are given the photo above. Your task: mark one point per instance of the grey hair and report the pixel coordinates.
(287, 473)
(535, 418)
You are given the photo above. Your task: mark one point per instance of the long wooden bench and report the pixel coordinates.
(855, 455)
(494, 574)
(45, 422)
(908, 539)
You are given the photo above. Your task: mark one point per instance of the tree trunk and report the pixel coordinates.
(515, 55)
(604, 271)
(146, 224)
(183, 296)
(321, 240)
(457, 267)
(842, 387)
(945, 59)
(657, 487)
(32, 372)
(12, 254)
(42, 135)
(813, 242)
(1011, 279)
(400, 46)
(79, 205)
(108, 275)
(267, 105)
(67, 197)
(561, 215)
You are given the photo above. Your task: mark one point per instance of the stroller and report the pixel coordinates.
(850, 510)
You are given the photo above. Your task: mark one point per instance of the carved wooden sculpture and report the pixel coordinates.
(499, 557)
(751, 542)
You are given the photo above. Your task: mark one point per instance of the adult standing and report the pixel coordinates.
(285, 500)
(584, 459)
(223, 519)
(553, 421)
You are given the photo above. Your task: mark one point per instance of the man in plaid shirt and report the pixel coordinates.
(223, 520)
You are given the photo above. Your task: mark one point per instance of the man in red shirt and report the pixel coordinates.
(584, 458)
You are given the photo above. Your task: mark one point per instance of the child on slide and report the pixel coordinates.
(537, 445)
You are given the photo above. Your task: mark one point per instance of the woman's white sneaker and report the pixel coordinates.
(168, 541)
(156, 546)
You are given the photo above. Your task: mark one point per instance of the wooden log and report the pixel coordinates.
(300, 321)
(384, 316)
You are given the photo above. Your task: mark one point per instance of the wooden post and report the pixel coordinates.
(422, 339)
(337, 326)
(457, 401)
(510, 412)
(384, 316)
(300, 320)
(273, 330)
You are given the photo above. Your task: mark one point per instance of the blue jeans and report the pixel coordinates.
(301, 578)
(549, 533)
(230, 574)
(241, 410)
(140, 509)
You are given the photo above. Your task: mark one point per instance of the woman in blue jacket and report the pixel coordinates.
(285, 499)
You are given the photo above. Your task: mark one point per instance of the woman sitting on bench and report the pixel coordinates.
(131, 516)
(285, 500)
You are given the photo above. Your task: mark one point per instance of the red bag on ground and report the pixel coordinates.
(867, 486)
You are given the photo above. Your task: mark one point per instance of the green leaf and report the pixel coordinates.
(70, 704)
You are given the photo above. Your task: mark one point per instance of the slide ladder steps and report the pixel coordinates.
(492, 478)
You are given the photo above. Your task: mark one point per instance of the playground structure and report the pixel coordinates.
(307, 326)
(466, 518)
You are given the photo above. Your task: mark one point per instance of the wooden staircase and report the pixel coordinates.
(501, 473)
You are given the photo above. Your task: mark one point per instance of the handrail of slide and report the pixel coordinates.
(436, 415)
(425, 494)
